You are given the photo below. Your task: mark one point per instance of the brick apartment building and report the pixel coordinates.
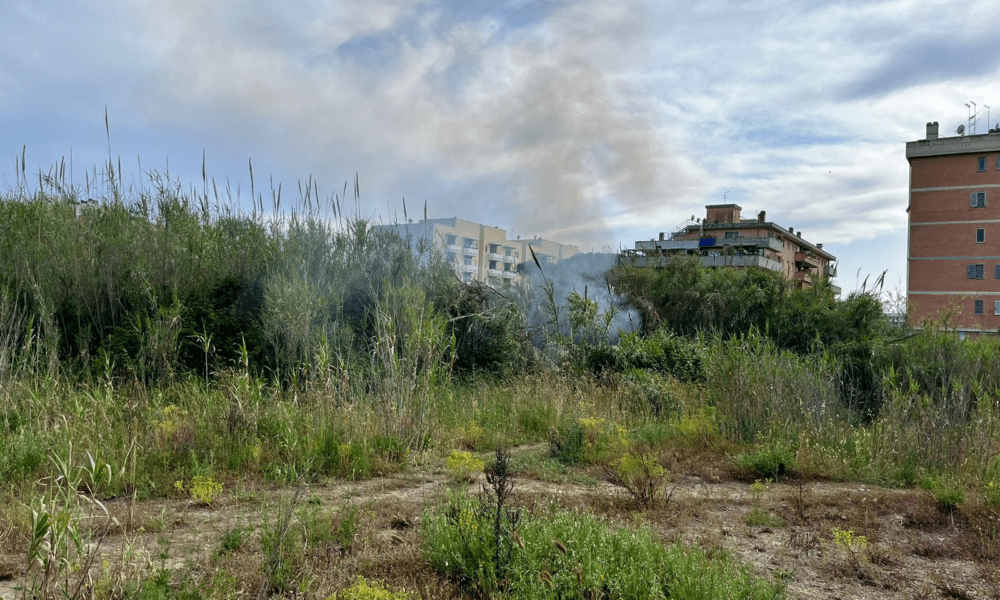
(953, 254)
(725, 239)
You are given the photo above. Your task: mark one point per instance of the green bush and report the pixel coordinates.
(769, 460)
(576, 555)
(363, 590)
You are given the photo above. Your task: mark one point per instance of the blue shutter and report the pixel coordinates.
(972, 271)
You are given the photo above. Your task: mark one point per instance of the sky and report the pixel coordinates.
(587, 122)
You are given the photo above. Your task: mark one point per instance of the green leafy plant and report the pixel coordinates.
(853, 545)
(462, 466)
(640, 474)
(362, 589)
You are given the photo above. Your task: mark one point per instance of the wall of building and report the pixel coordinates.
(943, 230)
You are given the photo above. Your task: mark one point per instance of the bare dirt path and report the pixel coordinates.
(911, 549)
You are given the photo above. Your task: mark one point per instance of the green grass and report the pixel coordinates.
(572, 554)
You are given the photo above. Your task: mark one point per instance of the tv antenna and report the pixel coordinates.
(973, 117)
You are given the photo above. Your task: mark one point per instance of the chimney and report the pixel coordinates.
(661, 236)
(932, 130)
(820, 246)
(761, 216)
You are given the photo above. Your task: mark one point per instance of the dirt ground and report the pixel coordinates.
(912, 549)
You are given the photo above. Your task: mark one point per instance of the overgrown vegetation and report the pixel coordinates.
(156, 344)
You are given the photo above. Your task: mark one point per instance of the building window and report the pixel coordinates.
(975, 271)
(732, 234)
(996, 307)
(998, 163)
(980, 236)
(977, 199)
(982, 164)
(979, 307)
(996, 271)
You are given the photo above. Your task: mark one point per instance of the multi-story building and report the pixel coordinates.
(478, 252)
(725, 239)
(953, 254)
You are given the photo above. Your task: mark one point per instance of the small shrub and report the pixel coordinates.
(641, 475)
(588, 440)
(770, 461)
(233, 539)
(363, 590)
(759, 517)
(854, 546)
(462, 466)
(947, 491)
(203, 490)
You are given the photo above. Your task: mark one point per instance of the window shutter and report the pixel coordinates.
(980, 271)
(971, 271)
(996, 307)
(979, 307)
(996, 271)
(973, 200)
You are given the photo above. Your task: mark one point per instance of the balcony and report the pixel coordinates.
(495, 256)
(470, 268)
(510, 274)
(508, 258)
(741, 261)
(494, 272)
(805, 277)
(469, 251)
(454, 248)
(807, 259)
(830, 270)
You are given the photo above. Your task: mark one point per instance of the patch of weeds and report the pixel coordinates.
(854, 547)
(759, 517)
(948, 492)
(565, 554)
(463, 466)
(203, 490)
(772, 460)
(640, 474)
(282, 573)
(233, 539)
(361, 589)
(588, 441)
(549, 469)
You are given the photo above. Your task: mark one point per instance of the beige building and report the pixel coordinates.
(725, 239)
(479, 252)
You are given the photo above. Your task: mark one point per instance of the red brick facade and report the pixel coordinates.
(953, 258)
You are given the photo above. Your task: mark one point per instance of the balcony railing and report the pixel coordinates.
(454, 248)
(807, 259)
(736, 260)
(495, 256)
(470, 251)
(830, 271)
(509, 274)
(510, 259)
(494, 272)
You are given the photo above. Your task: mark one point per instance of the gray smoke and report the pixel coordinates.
(585, 274)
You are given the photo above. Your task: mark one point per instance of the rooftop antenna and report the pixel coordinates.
(987, 115)
(974, 118)
(724, 195)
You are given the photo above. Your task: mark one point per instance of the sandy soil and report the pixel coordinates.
(913, 549)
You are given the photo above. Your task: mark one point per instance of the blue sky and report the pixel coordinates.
(595, 123)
